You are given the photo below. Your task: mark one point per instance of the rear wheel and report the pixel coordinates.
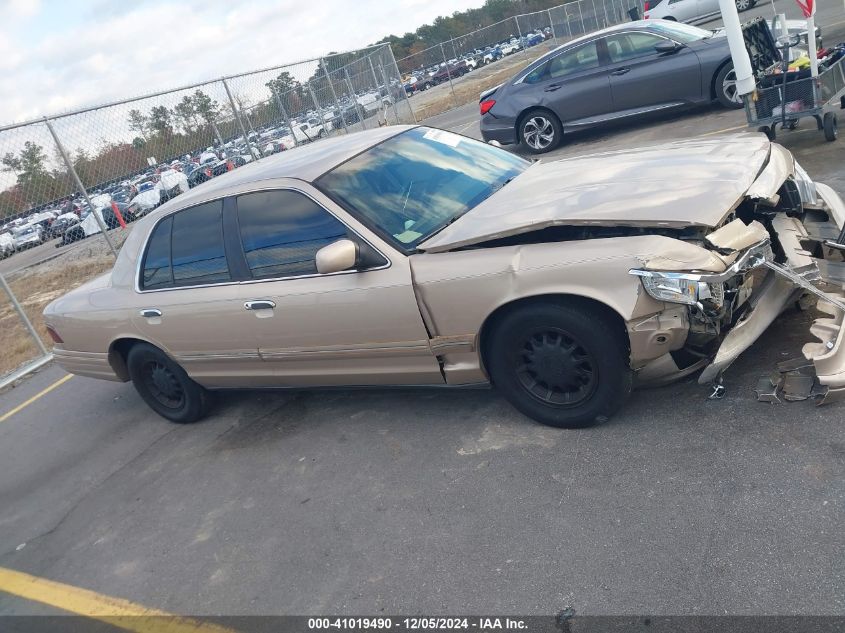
(165, 386)
(540, 131)
(561, 365)
(725, 85)
(744, 5)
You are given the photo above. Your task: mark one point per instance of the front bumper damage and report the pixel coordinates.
(798, 255)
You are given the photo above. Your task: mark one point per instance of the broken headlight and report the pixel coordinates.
(678, 288)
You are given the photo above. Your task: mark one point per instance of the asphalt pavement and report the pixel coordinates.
(439, 501)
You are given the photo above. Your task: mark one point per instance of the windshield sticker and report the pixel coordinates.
(447, 138)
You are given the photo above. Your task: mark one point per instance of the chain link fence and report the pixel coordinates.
(72, 184)
(446, 75)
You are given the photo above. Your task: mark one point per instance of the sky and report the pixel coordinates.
(58, 55)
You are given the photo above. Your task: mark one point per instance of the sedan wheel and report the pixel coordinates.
(726, 89)
(561, 363)
(165, 386)
(540, 132)
(744, 5)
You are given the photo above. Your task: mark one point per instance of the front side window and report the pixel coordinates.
(624, 46)
(417, 182)
(186, 249)
(281, 232)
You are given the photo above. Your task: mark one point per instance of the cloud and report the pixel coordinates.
(102, 51)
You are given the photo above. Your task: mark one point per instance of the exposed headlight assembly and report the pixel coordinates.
(680, 289)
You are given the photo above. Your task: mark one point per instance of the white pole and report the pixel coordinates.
(742, 64)
(811, 46)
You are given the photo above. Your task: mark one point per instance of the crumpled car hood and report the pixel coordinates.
(678, 184)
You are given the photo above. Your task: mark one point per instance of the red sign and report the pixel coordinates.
(808, 7)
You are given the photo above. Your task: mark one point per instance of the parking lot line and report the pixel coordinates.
(90, 604)
(43, 392)
(727, 129)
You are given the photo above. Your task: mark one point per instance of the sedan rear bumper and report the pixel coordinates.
(500, 130)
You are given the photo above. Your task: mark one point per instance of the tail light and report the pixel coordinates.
(646, 7)
(486, 105)
(54, 335)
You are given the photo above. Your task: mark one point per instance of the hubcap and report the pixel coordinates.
(163, 385)
(729, 87)
(742, 5)
(556, 369)
(538, 132)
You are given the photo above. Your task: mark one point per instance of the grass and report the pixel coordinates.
(34, 289)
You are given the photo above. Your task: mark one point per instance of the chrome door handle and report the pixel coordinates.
(151, 312)
(259, 304)
(620, 71)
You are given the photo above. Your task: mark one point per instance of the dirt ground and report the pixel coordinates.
(38, 285)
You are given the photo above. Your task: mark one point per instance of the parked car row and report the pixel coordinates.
(426, 78)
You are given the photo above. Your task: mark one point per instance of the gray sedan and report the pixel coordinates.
(624, 71)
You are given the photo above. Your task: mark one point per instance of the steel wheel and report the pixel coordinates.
(556, 369)
(538, 132)
(163, 385)
(729, 85)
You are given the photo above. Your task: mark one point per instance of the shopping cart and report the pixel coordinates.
(789, 96)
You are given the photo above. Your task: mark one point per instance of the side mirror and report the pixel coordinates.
(667, 47)
(337, 256)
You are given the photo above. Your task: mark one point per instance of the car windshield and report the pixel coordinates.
(681, 32)
(414, 184)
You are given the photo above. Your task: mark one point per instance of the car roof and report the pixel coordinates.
(304, 163)
(624, 26)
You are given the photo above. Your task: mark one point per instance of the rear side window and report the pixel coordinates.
(281, 232)
(584, 57)
(186, 249)
(157, 270)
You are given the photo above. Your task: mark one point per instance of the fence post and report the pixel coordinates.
(322, 63)
(518, 30)
(387, 88)
(552, 25)
(27, 323)
(237, 116)
(448, 74)
(399, 75)
(285, 116)
(354, 98)
(313, 96)
(581, 13)
(82, 190)
(216, 132)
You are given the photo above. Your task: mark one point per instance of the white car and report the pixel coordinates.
(689, 11)
(7, 245)
(311, 130)
(27, 236)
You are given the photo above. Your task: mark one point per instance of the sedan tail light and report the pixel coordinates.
(54, 335)
(645, 9)
(486, 105)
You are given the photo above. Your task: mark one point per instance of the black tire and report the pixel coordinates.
(670, 18)
(725, 87)
(830, 127)
(575, 355)
(768, 131)
(427, 85)
(539, 131)
(165, 386)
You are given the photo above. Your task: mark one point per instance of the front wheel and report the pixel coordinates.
(744, 5)
(830, 127)
(725, 85)
(561, 364)
(540, 131)
(165, 386)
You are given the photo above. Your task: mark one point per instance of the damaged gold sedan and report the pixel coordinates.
(414, 256)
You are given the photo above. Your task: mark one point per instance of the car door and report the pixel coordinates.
(188, 303)
(356, 327)
(573, 84)
(641, 77)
